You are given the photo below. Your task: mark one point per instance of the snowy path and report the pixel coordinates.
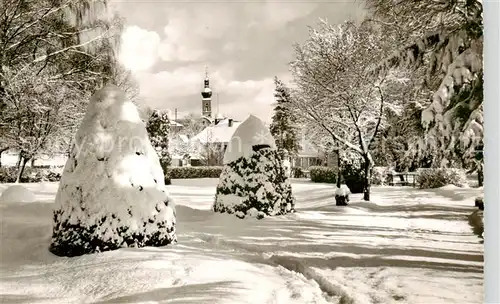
(409, 246)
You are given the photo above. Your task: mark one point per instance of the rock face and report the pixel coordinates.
(112, 192)
(253, 182)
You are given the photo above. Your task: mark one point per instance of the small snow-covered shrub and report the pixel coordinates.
(195, 172)
(479, 202)
(342, 195)
(321, 174)
(380, 175)
(255, 186)
(17, 194)
(297, 172)
(476, 221)
(428, 178)
(353, 177)
(8, 174)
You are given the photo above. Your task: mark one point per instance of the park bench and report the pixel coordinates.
(402, 178)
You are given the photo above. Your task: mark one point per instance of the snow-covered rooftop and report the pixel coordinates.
(207, 118)
(175, 123)
(219, 133)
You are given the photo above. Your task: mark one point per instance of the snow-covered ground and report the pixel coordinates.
(408, 246)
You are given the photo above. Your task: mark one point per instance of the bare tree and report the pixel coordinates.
(53, 55)
(335, 92)
(191, 125)
(209, 149)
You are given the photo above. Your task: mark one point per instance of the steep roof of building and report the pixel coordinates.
(219, 133)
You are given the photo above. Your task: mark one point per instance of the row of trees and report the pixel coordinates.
(402, 88)
(53, 55)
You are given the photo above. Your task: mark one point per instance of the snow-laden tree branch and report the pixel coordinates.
(446, 39)
(334, 89)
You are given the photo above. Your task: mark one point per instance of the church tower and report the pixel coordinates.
(206, 95)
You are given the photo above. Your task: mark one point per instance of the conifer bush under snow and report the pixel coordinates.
(112, 192)
(253, 182)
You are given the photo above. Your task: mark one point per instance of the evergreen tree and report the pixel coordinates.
(445, 39)
(158, 128)
(257, 183)
(283, 126)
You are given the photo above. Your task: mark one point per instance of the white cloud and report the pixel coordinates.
(181, 89)
(187, 31)
(180, 82)
(194, 33)
(275, 15)
(139, 48)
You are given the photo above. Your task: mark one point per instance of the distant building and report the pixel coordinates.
(217, 132)
(308, 155)
(175, 126)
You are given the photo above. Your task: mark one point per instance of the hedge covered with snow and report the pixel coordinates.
(39, 174)
(351, 176)
(195, 172)
(428, 178)
(31, 174)
(321, 174)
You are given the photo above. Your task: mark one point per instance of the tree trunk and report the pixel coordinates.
(367, 179)
(19, 159)
(339, 171)
(21, 169)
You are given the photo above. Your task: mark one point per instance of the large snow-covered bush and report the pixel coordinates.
(17, 194)
(428, 178)
(112, 192)
(253, 182)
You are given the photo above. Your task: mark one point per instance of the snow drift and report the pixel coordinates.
(406, 246)
(253, 182)
(112, 191)
(17, 194)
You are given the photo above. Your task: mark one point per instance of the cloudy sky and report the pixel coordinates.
(244, 44)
